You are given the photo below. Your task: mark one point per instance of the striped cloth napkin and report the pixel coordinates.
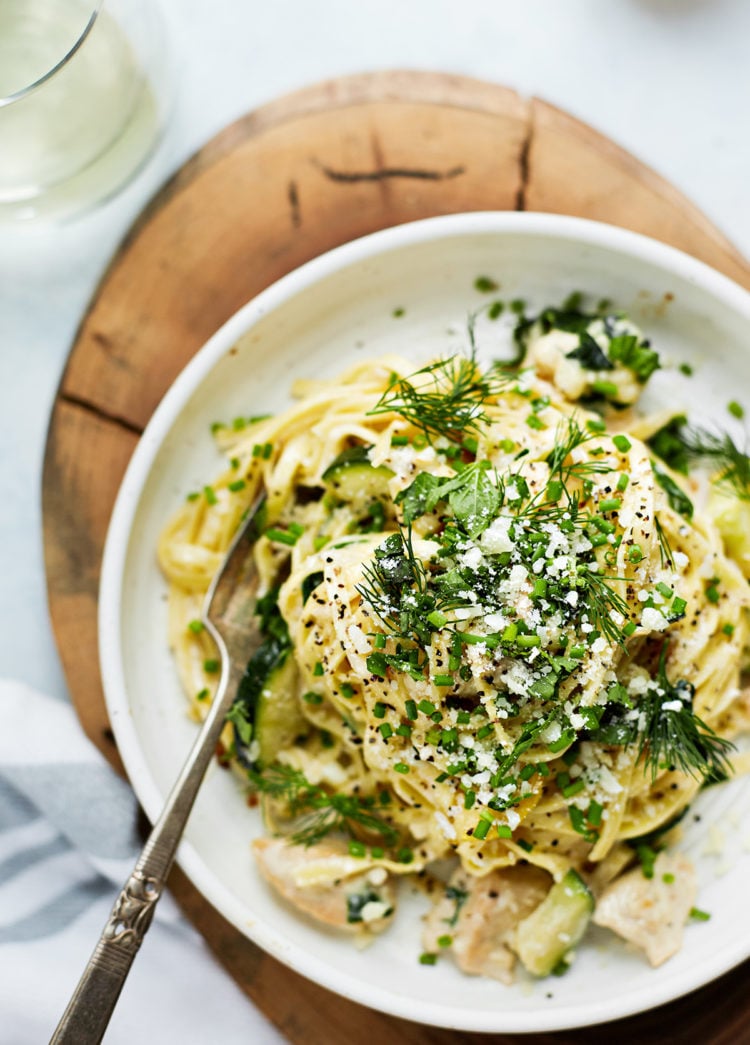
(67, 844)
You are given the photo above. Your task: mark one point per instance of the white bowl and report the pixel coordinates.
(337, 308)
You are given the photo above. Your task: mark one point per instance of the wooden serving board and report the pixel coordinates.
(280, 186)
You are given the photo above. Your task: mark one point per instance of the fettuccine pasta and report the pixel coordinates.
(497, 630)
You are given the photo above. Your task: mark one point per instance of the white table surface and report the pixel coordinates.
(667, 79)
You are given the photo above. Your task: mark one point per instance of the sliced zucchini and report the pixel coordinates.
(278, 718)
(351, 477)
(555, 927)
(265, 714)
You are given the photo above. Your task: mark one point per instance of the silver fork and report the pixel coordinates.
(228, 615)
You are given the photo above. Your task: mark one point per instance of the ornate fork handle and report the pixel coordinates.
(88, 1013)
(229, 617)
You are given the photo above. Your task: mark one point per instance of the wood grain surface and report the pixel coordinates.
(282, 185)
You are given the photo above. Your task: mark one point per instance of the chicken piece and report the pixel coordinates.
(327, 883)
(651, 912)
(480, 916)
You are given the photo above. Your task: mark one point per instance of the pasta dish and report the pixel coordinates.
(504, 617)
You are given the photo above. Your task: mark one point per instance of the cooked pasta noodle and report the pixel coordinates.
(504, 638)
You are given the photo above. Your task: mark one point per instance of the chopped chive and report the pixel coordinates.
(267, 450)
(398, 313)
(216, 426)
(443, 680)
(357, 849)
(281, 536)
(594, 813)
(554, 490)
(668, 878)
(712, 591)
(536, 423)
(202, 694)
(573, 789)
(410, 709)
(596, 426)
(510, 633)
(312, 698)
(426, 707)
(320, 542)
(610, 504)
(605, 388)
(485, 285)
(210, 494)
(699, 916)
(504, 831)
(565, 739)
(196, 626)
(399, 440)
(386, 730)
(444, 941)
(470, 798)
(622, 482)
(400, 767)
(234, 462)
(403, 730)
(470, 444)
(485, 731)
(347, 690)
(630, 629)
(664, 590)
(379, 710)
(377, 852)
(635, 553)
(678, 606)
(211, 666)
(736, 409)
(192, 496)
(495, 310)
(528, 641)
(728, 629)
(483, 826)
(318, 670)
(517, 305)
(236, 485)
(428, 959)
(405, 855)
(437, 619)
(379, 641)
(622, 443)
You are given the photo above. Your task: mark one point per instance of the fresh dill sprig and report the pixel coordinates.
(665, 551)
(394, 572)
(679, 739)
(679, 444)
(601, 601)
(732, 464)
(316, 811)
(568, 437)
(446, 398)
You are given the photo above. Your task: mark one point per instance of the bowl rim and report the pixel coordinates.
(561, 227)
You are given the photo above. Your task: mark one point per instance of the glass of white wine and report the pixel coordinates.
(84, 94)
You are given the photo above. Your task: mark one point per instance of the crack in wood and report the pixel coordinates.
(383, 173)
(99, 412)
(293, 196)
(524, 169)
